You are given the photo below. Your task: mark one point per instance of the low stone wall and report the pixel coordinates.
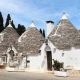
(73, 73)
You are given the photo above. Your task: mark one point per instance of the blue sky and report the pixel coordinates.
(24, 11)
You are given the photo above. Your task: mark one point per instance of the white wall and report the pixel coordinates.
(70, 58)
(38, 61)
(56, 53)
(22, 63)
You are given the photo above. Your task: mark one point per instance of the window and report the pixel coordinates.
(28, 61)
(39, 51)
(62, 54)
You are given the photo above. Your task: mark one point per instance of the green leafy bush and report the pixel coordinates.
(57, 65)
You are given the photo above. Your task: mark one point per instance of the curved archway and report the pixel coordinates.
(11, 52)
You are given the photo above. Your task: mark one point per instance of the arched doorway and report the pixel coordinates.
(11, 53)
(11, 58)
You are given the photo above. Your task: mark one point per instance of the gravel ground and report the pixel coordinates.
(32, 76)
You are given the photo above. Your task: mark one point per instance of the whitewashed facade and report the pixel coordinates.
(69, 57)
(33, 52)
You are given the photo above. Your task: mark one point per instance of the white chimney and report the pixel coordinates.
(50, 26)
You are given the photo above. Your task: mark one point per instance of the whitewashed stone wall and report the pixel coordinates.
(70, 58)
(38, 61)
(56, 54)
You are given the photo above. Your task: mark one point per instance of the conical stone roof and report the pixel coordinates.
(77, 40)
(31, 40)
(8, 37)
(65, 34)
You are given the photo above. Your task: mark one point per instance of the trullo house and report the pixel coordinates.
(32, 51)
(64, 41)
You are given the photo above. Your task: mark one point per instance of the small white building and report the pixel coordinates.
(9, 46)
(34, 48)
(64, 42)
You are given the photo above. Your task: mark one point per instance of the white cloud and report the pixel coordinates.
(25, 10)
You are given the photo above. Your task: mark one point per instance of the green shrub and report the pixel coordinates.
(57, 65)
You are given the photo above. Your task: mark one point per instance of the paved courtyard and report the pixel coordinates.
(32, 76)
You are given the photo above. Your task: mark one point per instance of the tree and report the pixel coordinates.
(1, 22)
(7, 20)
(12, 23)
(44, 33)
(41, 31)
(20, 29)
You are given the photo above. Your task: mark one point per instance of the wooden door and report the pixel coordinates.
(49, 60)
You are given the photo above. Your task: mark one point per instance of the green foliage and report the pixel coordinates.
(7, 20)
(12, 23)
(42, 32)
(1, 22)
(57, 65)
(21, 29)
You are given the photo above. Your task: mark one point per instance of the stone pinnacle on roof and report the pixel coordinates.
(9, 24)
(64, 16)
(32, 24)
